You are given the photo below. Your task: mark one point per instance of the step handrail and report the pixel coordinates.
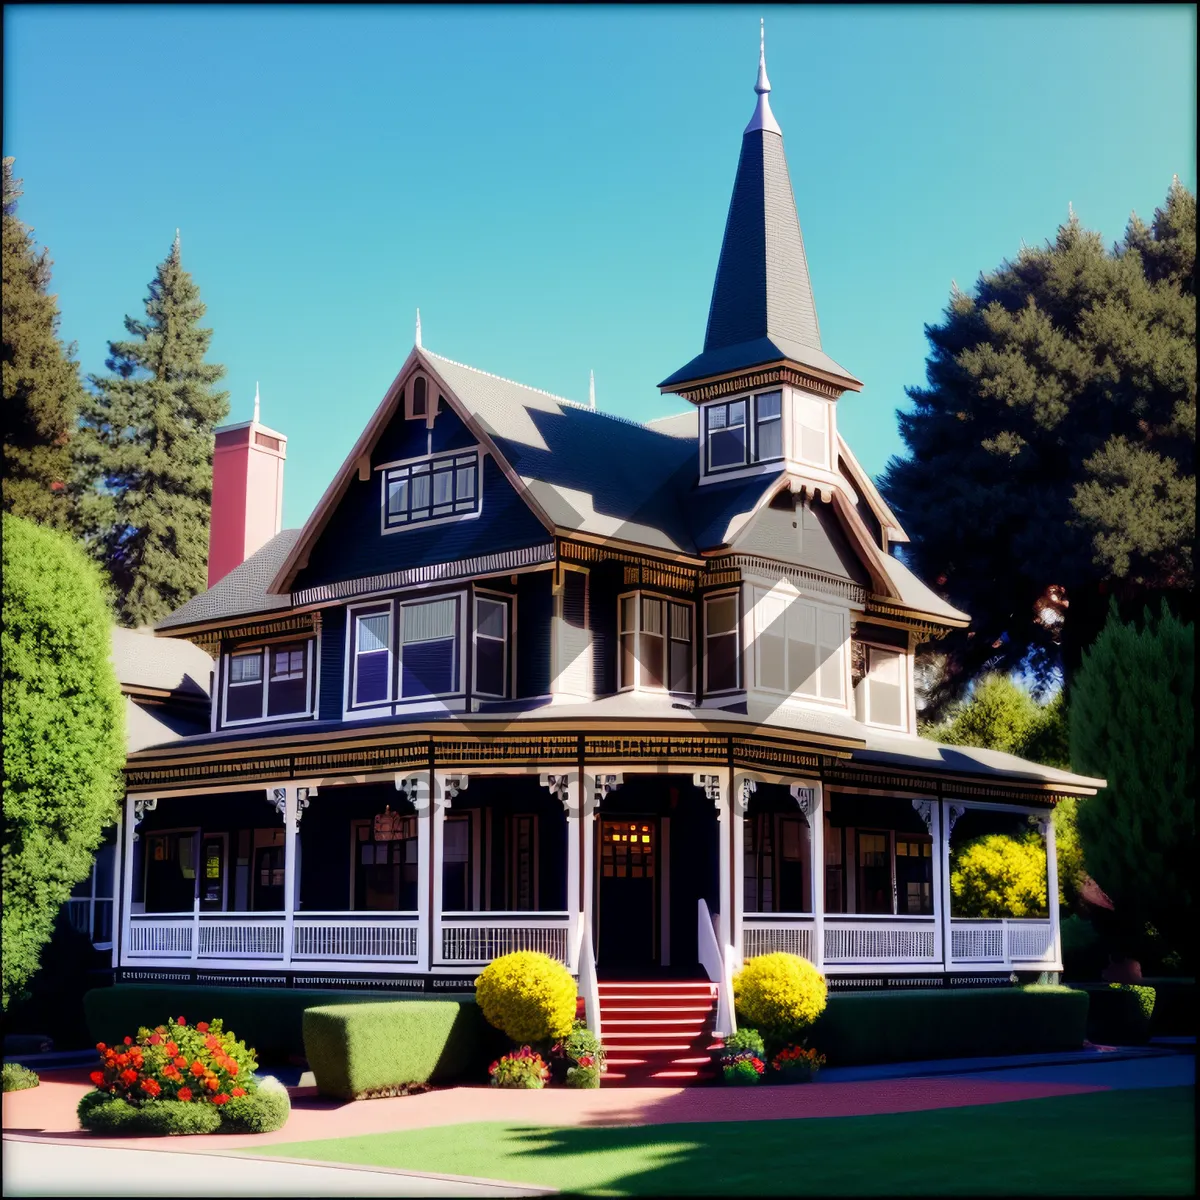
(717, 967)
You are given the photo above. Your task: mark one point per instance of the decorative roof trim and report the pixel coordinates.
(936, 627)
(866, 485)
(209, 634)
(756, 377)
(462, 568)
(683, 576)
(799, 576)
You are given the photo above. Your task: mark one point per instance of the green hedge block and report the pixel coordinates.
(268, 1020)
(355, 1048)
(904, 1026)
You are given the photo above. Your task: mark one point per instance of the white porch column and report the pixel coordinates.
(743, 788)
(810, 799)
(950, 812)
(568, 789)
(717, 787)
(445, 788)
(289, 802)
(1046, 828)
(135, 810)
(416, 788)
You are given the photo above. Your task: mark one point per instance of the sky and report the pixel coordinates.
(549, 185)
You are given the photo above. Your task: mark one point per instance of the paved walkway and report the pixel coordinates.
(34, 1167)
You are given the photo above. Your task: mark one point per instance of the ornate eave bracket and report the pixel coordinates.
(805, 796)
(953, 812)
(924, 810)
(277, 799)
(140, 809)
(416, 788)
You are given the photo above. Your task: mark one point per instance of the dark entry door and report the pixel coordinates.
(627, 869)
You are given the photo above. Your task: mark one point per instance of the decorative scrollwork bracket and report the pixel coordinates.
(140, 809)
(924, 810)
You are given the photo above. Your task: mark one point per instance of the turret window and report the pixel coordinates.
(745, 431)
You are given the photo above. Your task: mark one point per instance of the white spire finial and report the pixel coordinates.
(417, 342)
(176, 245)
(591, 389)
(763, 117)
(256, 402)
(1070, 211)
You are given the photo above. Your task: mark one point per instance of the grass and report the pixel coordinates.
(1131, 1142)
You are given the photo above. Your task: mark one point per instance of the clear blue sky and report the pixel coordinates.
(549, 185)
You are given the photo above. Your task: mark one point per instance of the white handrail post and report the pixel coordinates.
(416, 788)
(573, 803)
(949, 814)
(587, 977)
(1052, 889)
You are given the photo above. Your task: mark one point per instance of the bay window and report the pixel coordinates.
(655, 644)
(428, 664)
(799, 648)
(721, 633)
(491, 647)
(880, 693)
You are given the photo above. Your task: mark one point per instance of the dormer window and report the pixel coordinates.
(430, 489)
(742, 432)
(268, 682)
(656, 644)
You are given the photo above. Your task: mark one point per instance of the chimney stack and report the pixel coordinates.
(247, 499)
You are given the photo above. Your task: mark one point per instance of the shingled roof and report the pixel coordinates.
(762, 306)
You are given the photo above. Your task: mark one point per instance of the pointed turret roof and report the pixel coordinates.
(762, 307)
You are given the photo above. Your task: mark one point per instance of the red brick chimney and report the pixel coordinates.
(247, 501)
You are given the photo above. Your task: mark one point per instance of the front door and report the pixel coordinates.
(627, 878)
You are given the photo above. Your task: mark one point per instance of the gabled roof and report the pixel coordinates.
(762, 308)
(865, 487)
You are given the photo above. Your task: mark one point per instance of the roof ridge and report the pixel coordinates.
(542, 392)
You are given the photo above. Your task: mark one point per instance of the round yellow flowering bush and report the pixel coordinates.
(530, 996)
(778, 994)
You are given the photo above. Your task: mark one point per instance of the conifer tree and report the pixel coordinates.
(1051, 456)
(41, 386)
(144, 454)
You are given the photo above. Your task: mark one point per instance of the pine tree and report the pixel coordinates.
(42, 389)
(1051, 456)
(144, 455)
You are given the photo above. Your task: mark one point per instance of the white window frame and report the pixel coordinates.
(410, 413)
(739, 674)
(263, 652)
(637, 685)
(802, 401)
(751, 457)
(755, 458)
(870, 648)
(385, 470)
(788, 599)
(353, 613)
(506, 602)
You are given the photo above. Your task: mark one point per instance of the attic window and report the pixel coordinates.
(417, 403)
(432, 489)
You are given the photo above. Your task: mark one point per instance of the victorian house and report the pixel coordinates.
(532, 676)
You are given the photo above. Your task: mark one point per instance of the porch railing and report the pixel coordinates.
(475, 938)
(1006, 940)
(764, 933)
(362, 936)
(880, 939)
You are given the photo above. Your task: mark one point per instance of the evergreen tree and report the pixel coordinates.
(1051, 455)
(144, 454)
(42, 389)
(1132, 722)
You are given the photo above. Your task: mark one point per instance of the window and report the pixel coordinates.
(427, 653)
(799, 648)
(776, 851)
(726, 428)
(522, 862)
(914, 875)
(372, 657)
(656, 644)
(874, 872)
(721, 643)
(768, 426)
(90, 907)
(284, 692)
(456, 863)
(430, 490)
(491, 644)
(418, 397)
(810, 428)
(385, 870)
(835, 879)
(880, 693)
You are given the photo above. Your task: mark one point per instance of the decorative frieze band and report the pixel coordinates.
(757, 379)
(463, 568)
(801, 577)
(639, 570)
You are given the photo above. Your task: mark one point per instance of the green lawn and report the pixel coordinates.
(1133, 1142)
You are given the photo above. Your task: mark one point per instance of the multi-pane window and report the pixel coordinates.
(491, 643)
(656, 644)
(810, 429)
(749, 430)
(90, 908)
(522, 862)
(268, 681)
(431, 489)
(372, 657)
(456, 863)
(874, 872)
(914, 875)
(776, 863)
(721, 643)
(880, 694)
(427, 654)
(385, 865)
(799, 648)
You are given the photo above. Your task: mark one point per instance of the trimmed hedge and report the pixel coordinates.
(261, 1111)
(900, 1026)
(269, 1019)
(17, 1077)
(356, 1049)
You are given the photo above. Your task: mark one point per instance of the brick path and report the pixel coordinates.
(48, 1111)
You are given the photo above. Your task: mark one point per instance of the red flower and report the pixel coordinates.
(129, 1041)
(231, 1066)
(128, 1076)
(202, 1026)
(239, 1091)
(197, 1068)
(101, 1047)
(154, 1039)
(172, 1049)
(122, 1059)
(586, 1060)
(171, 1071)
(150, 1087)
(220, 1099)
(97, 1077)
(185, 1093)
(180, 1061)
(181, 1021)
(212, 1083)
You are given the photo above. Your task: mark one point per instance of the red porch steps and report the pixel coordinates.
(658, 1034)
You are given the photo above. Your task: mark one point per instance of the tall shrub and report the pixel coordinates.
(1133, 722)
(64, 734)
